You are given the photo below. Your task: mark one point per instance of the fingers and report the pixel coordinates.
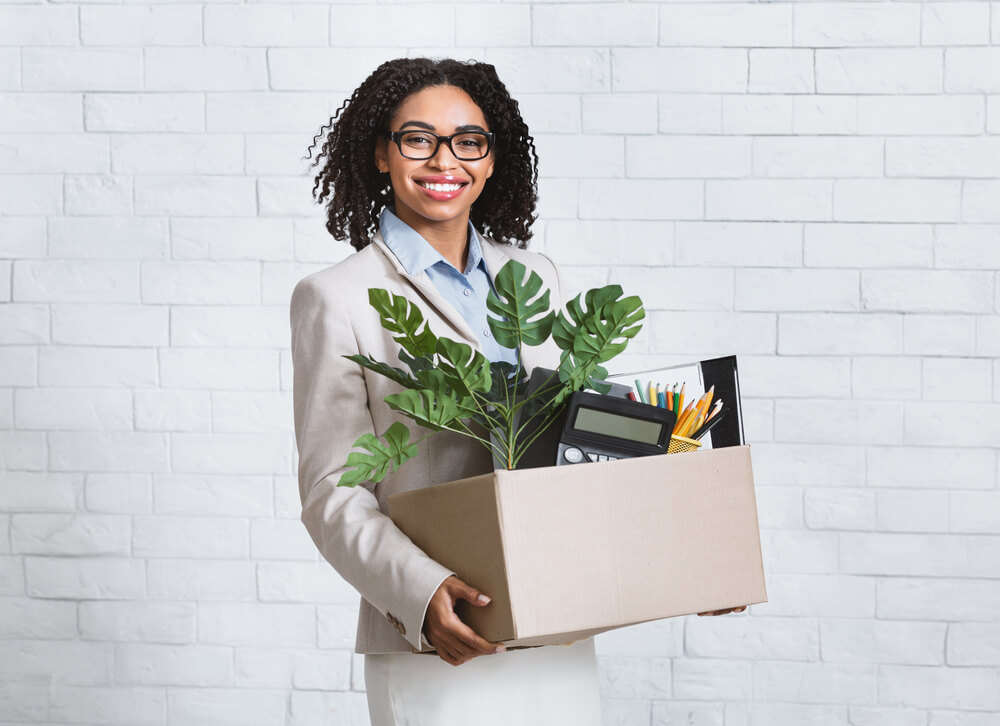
(464, 591)
(725, 611)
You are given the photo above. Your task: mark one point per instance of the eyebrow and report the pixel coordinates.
(429, 127)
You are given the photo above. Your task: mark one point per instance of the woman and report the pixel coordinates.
(424, 161)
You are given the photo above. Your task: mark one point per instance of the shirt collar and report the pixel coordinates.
(415, 253)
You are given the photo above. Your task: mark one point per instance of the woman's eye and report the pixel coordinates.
(471, 142)
(416, 140)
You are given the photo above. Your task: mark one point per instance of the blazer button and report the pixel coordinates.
(401, 628)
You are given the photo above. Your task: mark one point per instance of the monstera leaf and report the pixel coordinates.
(398, 315)
(518, 303)
(388, 453)
(430, 409)
(466, 370)
(395, 374)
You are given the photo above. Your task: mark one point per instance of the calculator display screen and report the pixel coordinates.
(596, 421)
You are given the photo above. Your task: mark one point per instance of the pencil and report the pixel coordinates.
(661, 399)
(631, 396)
(718, 407)
(638, 387)
(652, 394)
(708, 399)
(681, 404)
(670, 399)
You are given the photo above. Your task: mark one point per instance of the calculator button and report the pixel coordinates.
(592, 456)
(573, 456)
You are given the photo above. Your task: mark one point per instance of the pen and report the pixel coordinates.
(708, 426)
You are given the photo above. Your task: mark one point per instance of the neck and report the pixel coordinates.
(450, 237)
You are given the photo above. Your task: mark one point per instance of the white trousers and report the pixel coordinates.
(549, 686)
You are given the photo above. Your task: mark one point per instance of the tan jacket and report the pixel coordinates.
(336, 401)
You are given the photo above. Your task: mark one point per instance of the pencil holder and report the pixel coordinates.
(680, 444)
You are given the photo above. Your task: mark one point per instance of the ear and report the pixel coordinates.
(382, 155)
(489, 170)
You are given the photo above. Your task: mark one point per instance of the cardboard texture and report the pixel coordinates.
(570, 551)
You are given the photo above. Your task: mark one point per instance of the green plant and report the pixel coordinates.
(449, 386)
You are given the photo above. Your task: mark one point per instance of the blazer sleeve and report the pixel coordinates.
(331, 411)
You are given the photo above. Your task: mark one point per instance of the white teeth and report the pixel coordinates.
(441, 187)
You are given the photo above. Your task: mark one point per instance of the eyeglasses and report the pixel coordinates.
(419, 145)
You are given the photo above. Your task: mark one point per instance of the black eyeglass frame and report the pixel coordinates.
(397, 138)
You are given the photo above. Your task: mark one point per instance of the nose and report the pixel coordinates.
(443, 158)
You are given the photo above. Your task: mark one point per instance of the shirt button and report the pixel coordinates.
(486, 332)
(467, 292)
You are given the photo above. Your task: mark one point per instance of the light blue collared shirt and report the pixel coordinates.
(466, 291)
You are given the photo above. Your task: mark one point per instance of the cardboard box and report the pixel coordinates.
(570, 551)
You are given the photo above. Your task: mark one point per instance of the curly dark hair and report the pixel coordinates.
(358, 192)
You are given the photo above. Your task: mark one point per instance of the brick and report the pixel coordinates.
(110, 325)
(177, 154)
(24, 324)
(841, 422)
(581, 156)
(231, 369)
(120, 451)
(90, 69)
(640, 199)
(31, 26)
(10, 69)
(712, 333)
(232, 239)
(141, 25)
(24, 701)
(92, 578)
(796, 552)
(40, 113)
(852, 245)
(560, 114)
(245, 496)
(274, 154)
(306, 582)
(267, 25)
(833, 25)
(795, 377)
(781, 71)
(173, 411)
(974, 512)
(738, 243)
(11, 575)
(508, 25)
(763, 714)
(685, 113)
(337, 625)
(967, 688)
(145, 112)
(830, 683)
(37, 619)
(973, 644)
(979, 201)
(939, 335)
(588, 243)
(868, 716)
(70, 534)
(709, 679)
(735, 24)
(139, 621)
(110, 238)
(993, 113)
(804, 156)
(896, 200)
(768, 289)
(961, 23)
(678, 288)
(280, 540)
(249, 412)
(557, 198)
(957, 600)
(194, 196)
(283, 668)
(636, 678)
(917, 115)
(257, 624)
(886, 378)
(98, 194)
(821, 595)
(615, 114)
(840, 509)
(825, 114)
(768, 200)
(232, 453)
(948, 157)
(23, 237)
(236, 327)
(203, 580)
(285, 196)
(119, 493)
(30, 195)
(941, 374)
(861, 641)
(286, 497)
(320, 69)
(938, 424)
(921, 466)
(931, 555)
(622, 711)
(752, 638)
(602, 25)
(204, 69)
(960, 718)
(680, 70)
(687, 157)
(115, 706)
(201, 282)
(171, 665)
(176, 536)
(21, 451)
(967, 246)
(19, 367)
(972, 70)
(76, 281)
(57, 663)
(361, 25)
(83, 367)
(879, 70)
(655, 638)
(691, 712)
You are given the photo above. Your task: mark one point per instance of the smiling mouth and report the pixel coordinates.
(441, 187)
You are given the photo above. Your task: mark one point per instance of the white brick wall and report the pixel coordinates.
(814, 186)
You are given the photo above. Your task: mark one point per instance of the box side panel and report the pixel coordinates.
(608, 544)
(457, 524)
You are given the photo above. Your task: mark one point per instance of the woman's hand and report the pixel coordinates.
(726, 611)
(455, 641)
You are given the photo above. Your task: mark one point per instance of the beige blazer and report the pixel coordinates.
(336, 401)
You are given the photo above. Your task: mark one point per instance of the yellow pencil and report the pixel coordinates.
(652, 393)
(708, 399)
(681, 404)
(682, 422)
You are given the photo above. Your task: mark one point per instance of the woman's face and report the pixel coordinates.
(442, 188)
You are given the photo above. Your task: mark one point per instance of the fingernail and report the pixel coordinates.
(484, 599)
(500, 649)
